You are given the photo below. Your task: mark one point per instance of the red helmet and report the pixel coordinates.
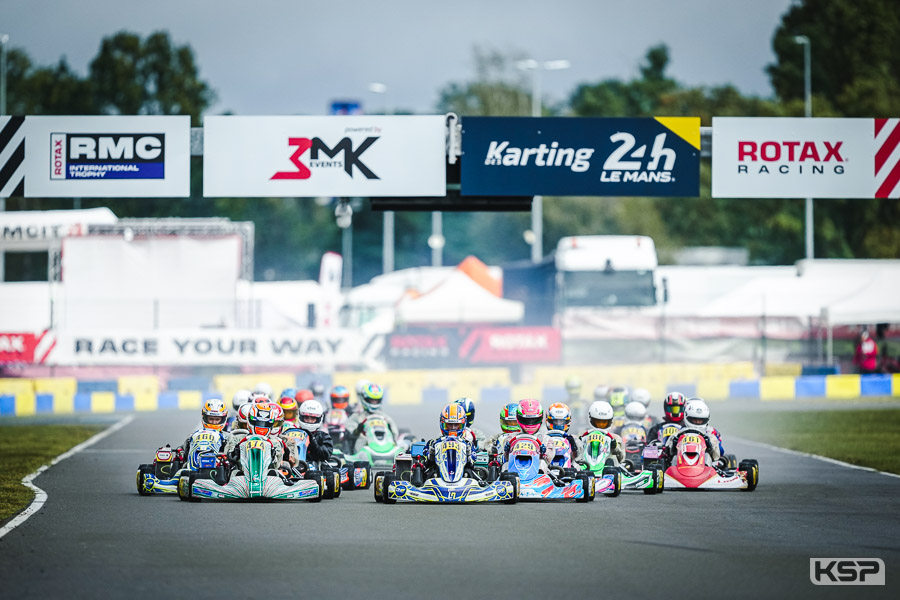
(673, 406)
(289, 406)
(302, 396)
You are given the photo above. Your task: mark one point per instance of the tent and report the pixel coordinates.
(458, 299)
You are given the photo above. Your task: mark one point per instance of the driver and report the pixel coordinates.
(508, 426)
(213, 417)
(311, 416)
(601, 415)
(474, 436)
(696, 417)
(453, 423)
(371, 397)
(262, 420)
(529, 416)
(673, 414)
(558, 421)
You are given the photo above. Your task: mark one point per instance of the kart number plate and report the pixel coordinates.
(204, 437)
(164, 456)
(299, 434)
(524, 447)
(651, 451)
(256, 444)
(691, 439)
(377, 423)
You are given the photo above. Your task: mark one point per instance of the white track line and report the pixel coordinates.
(815, 456)
(40, 496)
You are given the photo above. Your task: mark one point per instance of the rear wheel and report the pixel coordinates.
(750, 468)
(616, 479)
(589, 486)
(141, 472)
(417, 477)
(732, 461)
(493, 473)
(379, 483)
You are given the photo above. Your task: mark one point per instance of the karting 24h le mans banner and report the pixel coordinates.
(522, 156)
(95, 157)
(324, 156)
(805, 158)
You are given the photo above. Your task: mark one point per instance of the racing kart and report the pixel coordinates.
(559, 483)
(255, 476)
(161, 476)
(298, 444)
(669, 429)
(336, 423)
(380, 449)
(449, 482)
(688, 469)
(598, 459)
(634, 437)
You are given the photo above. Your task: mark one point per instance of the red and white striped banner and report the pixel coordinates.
(887, 158)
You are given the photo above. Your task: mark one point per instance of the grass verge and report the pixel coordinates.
(869, 438)
(23, 449)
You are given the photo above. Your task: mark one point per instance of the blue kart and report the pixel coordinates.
(558, 483)
(449, 482)
(169, 464)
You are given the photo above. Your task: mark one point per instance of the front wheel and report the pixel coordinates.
(143, 471)
(589, 485)
(379, 483)
(513, 478)
(750, 468)
(186, 487)
(385, 488)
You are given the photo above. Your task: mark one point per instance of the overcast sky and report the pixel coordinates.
(287, 57)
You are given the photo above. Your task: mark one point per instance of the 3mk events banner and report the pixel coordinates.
(521, 156)
(805, 158)
(95, 157)
(324, 156)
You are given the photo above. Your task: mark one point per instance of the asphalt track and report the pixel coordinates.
(95, 537)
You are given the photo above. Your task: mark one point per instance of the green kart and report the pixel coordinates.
(598, 459)
(380, 447)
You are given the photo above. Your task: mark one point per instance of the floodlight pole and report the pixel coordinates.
(807, 97)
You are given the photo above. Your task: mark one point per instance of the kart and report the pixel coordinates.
(688, 469)
(336, 422)
(450, 482)
(635, 438)
(599, 460)
(381, 448)
(169, 464)
(298, 443)
(558, 483)
(254, 477)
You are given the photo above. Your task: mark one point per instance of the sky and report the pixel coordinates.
(267, 57)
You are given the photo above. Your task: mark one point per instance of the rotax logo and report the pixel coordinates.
(107, 155)
(322, 156)
(790, 156)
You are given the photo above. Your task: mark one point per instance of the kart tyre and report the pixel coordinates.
(658, 478)
(385, 484)
(144, 470)
(349, 485)
(417, 477)
(368, 477)
(617, 481)
(588, 485)
(186, 487)
(493, 473)
(319, 478)
(336, 478)
(378, 487)
(732, 461)
(514, 479)
(751, 468)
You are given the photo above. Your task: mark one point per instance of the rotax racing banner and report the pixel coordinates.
(473, 347)
(805, 158)
(99, 157)
(324, 156)
(229, 347)
(522, 156)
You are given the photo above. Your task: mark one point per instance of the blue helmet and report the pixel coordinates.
(468, 406)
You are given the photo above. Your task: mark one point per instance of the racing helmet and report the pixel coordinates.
(261, 419)
(573, 386)
(453, 419)
(641, 395)
(601, 414)
(469, 406)
(559, 417)
(340, 397)
(279, 419)
(240, 398)
(240, 420)
(291, 391)
(214, 414)
(289, 406)
(317, 389)
(618, 398)
(601, 392)
(696, 413)
(360, 386)
(508, 422)
(371, 397)
(635, 411)
(529, 415)
(263, 388)
(673, 407)
(312, 415)
(260, 398)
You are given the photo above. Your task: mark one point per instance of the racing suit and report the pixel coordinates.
(430, 462)
(475, 437)
(617, 447)
(574, 445)
(355, 425)
(495, 443)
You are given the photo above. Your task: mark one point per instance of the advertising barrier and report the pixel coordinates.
(805, 158)
(324, 156)
(477, 346)
(99, 157)
(509, 156)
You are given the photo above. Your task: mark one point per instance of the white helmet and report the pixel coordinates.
(312, 414)
(600, 414)
(601, 392)
(243, 414)
(241, 397)
(635, 411)
(263, 388)
(641, 395)
(696, 413)
(573, 385)
(259, 397)
(360, 386)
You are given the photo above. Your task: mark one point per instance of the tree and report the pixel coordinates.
(498, 90)
(45, 90)
(150, 77)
